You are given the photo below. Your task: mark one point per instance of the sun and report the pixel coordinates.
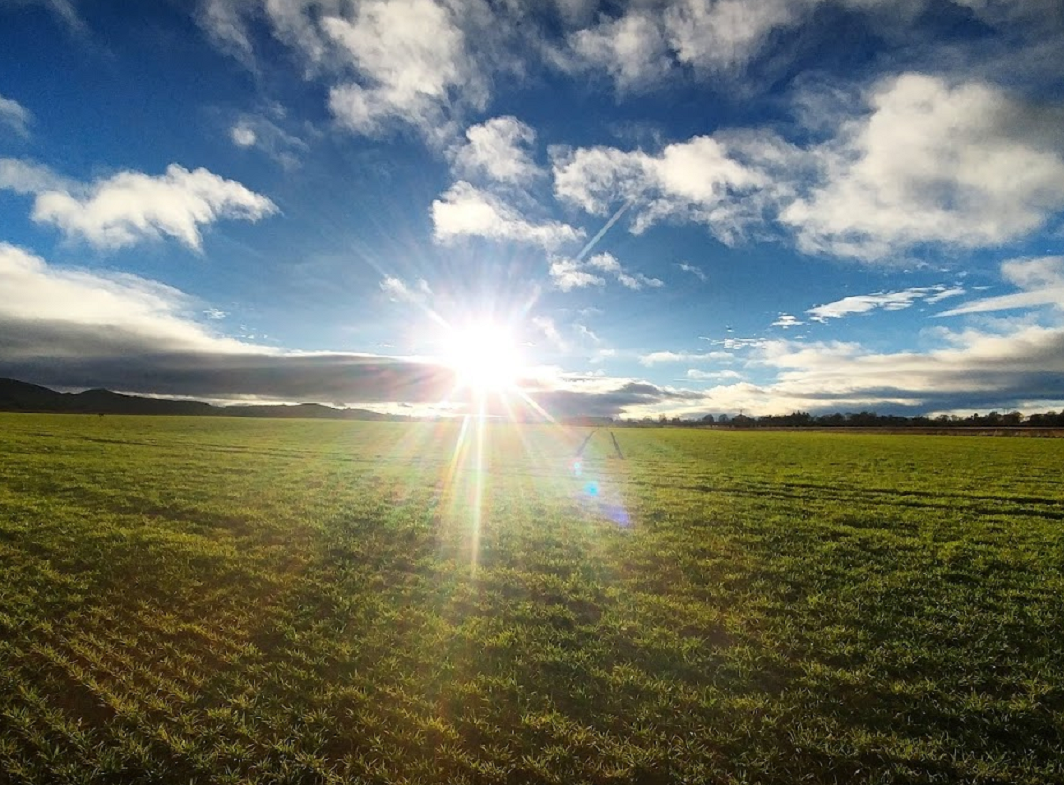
(485, 357)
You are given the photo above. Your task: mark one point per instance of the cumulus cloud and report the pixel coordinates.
(498, 149)
(727, 182)
(927, 161)
(386, 63)
(15, 117)
(413, 60)
(129, 207)
(466, 211)
(964, 164)
(718, 35)
(630, 48)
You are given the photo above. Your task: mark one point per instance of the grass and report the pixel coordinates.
(187, 600)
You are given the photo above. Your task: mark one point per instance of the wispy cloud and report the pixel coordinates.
(786, 320)
(607, 263)
(887, 301)
(658, 358)
(568, 274)
(401, 292)
(694, 373)
(15, 117)
(573, 273)
(695, 271)
(1041, 281)
(256, 131)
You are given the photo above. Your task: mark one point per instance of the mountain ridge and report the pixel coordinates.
(20, 396)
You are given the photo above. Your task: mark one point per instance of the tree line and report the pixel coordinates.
(863, 419)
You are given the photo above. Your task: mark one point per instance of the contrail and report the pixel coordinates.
(591, 243)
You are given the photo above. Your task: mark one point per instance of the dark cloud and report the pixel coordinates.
(75, 355)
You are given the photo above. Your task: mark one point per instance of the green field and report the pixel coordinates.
(215, 600)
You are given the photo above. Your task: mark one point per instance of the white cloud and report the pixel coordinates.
(716, 35)
(694, 373)
(546, 326)
(576, 273)
(398, 291)
(587, 333)
(215, 314)
(81, 328)
(499, 150)
(568, 274)
(243, 135)
(466, 211)
(638, 281)
(695, 271)
(658, 358)
(260, 132)
(130, 206)
(24, 177)
(630, 48)
(1042, 282)
(933, 162)
(887, 301)
(412, 59)
(735, 343)
(35, 291)
(15, 116)
(953, 291)
(725, 183)
(385, 63)
(786, 320)
(929, 161)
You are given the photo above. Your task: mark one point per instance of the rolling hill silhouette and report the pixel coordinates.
(18, 396)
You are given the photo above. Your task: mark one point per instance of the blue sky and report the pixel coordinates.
(826, 205)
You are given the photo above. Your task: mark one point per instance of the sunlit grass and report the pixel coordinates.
(256, 601)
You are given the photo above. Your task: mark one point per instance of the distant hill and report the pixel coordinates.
(16, 396)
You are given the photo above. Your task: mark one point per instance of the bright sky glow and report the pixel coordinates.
(485, 358)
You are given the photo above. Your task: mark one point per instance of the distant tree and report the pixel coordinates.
(724, 419)
(742, 421)
(708, 418)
